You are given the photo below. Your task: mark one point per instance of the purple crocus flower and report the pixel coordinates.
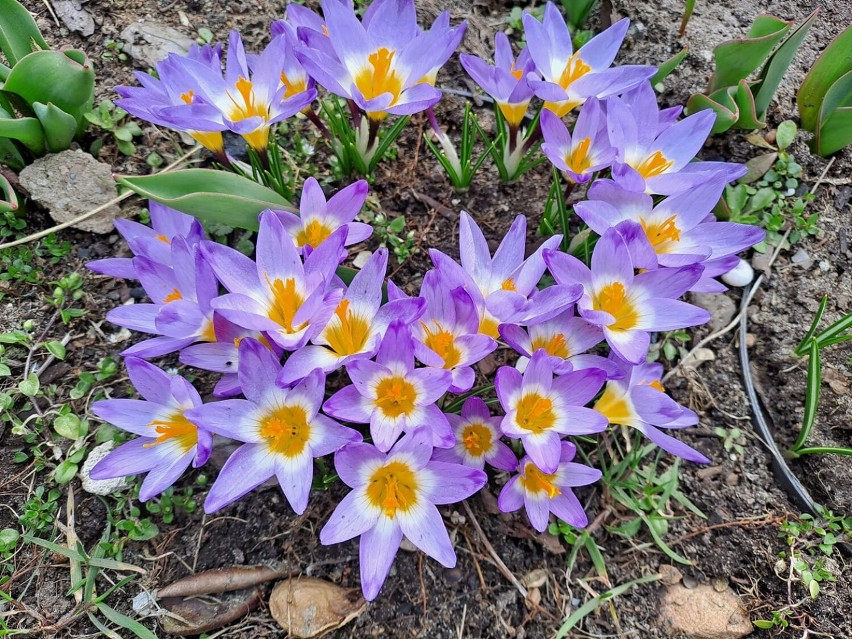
(247, 100)
(540, 409)
(657, 159)
(477, 439)
(177, 83)
(678, 231)
(379, 65)
(542, 493)
(168, 441)
(319, 218)
(393, 396)
(565, 338)
(585, 151)
(446, 335)
(503, 287)
(294, 78)
(395, 495)
(153, 242)
(282, 430)
(222, 356)
(357, 325)
(565, 79)
(628, 307)
(505, 81)
(279, 295)
(638, 400)
(181, 295)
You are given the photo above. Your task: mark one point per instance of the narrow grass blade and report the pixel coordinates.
(125, 622)
(802, 348)
(811, 396)
(834, 330)
(593, 604)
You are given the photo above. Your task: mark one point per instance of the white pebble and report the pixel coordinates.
(741, 275)
(101, 487)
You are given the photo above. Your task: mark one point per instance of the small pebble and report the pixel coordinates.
(824, 266)
(741, 275)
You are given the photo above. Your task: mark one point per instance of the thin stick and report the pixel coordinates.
(94, 211)
(499, 562)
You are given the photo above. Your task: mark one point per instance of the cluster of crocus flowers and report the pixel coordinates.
(385, 379)
(403, 366)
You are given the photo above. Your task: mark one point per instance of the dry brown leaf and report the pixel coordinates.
(194, 615)
(308, 607)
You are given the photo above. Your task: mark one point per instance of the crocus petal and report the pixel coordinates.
(295, 475)
(164, 475)
(451, 483)
(246, 469)
(512, 496)
(230, 418)
(377, 551)
(131, 458)
(132, 415)
(423, 526)
(353, 516)
(672, 445)
(568, 508)
(355, 463)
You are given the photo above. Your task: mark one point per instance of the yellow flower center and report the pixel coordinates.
(211, 140)
(395, 396)
(476, 438)
(393, 487)
(286, 430)
(613, 299)
(379, 78)
(347, 333)
(514, 112)
(178, 428)
(579, 160)
(508, 285)
(173, 296)
(162, 238)
(662, 235)
(188, 97)
(292, 87)
(314, 234)
(554, 345)
(535, 413)
(245, 106)
(654, 164)
(614, 406)
(442, 342)
(286, 302)
(535, 481)
(489, 326)
(208, 333)
(575, 68)
(657, 386)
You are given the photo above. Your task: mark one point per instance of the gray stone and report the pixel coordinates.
(721, 308)
(151, 42)
(704, 613)
(75, 17)
(71, 183)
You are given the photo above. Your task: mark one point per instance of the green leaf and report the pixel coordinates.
(125, 622)
(668, 66)
(29, 386)
(19, 34)
(776, 66)
(763, 624)
(70, 426)
(8, 197)
(760, 200)
(577, 11)
(785, 134)
(65, 472)
(211, 196)
(5, 371)
(835, 124)
(126, 148)
(813, 589)
(8, 538)
(833, 62)
(722, 102)
(55, 348)
(64, 78)
(59, 127)
(27, 131)
(10, 155)
(739, 58)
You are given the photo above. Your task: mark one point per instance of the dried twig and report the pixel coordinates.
(504, 570)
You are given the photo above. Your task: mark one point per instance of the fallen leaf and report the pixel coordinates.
(308, 607)
(193, 615)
